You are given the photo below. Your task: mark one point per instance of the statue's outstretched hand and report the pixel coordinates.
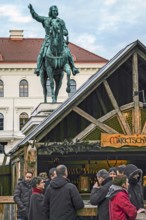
(30, 7)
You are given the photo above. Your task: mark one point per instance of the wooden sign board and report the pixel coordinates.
(119, 140)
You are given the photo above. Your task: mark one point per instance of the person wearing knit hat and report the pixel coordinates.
(135, 185)
(131, 170)
(99, 192)
(120, 206)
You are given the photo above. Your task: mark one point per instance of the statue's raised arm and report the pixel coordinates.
(35, 15)
(31, 8)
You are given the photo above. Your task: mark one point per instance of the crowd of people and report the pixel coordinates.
(118, 194)
(43, 198)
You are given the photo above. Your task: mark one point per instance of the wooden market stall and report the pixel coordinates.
(102, 125)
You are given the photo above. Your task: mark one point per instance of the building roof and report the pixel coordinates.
(82, 92)
(27, 49)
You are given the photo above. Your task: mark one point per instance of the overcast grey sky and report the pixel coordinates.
(101, 26)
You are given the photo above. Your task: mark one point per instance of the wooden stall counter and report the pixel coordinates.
(6, 200)
(8, 209)
(90, 210)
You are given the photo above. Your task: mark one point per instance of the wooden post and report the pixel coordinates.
(4, 160)
(1, 211)
(136, 111)
(144, 129)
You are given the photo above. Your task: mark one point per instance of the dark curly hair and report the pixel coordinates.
(36, 180)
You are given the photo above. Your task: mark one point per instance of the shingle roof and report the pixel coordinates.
(27, 49)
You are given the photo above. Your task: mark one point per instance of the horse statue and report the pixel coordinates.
(55, 62)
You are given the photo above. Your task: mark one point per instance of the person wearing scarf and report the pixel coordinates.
(36, 211)
(120, 207)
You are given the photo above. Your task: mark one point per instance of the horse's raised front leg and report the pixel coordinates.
(43, 77)
(68, 71)
(50, 75)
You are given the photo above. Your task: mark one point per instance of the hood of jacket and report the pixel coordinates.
(113, 190)
(131, 170)
(59, 182)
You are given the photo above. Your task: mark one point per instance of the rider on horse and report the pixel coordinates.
(47, 24)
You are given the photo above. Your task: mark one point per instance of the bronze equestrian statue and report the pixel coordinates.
(54, 58)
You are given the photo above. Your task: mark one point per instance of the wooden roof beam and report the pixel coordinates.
(136, 111)
(122, 119)
(84, 133)
(103, 106)
(92, 126)
(93, 120)
(141, 54)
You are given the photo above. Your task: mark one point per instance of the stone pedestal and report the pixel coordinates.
(38, 115)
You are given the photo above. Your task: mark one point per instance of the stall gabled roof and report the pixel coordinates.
(82, 92)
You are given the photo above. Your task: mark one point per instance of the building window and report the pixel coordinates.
(23, 88)
(23, 119)
(48, 88)
(1, 88)
(72, 87)
(1, 121)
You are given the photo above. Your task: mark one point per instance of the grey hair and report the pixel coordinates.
(102, 173)
(61, 170)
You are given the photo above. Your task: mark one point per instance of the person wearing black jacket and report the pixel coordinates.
(135, 189)
(22, 195)
(99, 192)
(36, 210)
(62, 199)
